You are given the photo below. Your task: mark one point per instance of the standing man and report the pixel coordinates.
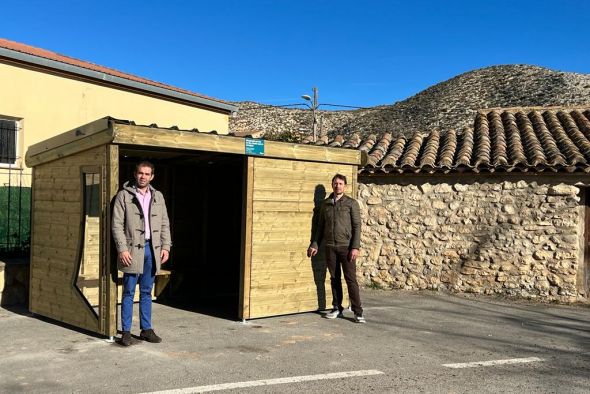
(141, 231)
(339, 225)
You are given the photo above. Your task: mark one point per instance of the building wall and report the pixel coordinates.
(50, 104)
(485, 234)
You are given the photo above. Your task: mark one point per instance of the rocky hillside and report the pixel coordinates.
(451, 104)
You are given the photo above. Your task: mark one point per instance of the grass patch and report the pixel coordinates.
(374, 286)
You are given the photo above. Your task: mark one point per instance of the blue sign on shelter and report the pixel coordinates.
(254, 147)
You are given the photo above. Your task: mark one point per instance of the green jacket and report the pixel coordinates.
(128, 227)
(338, 224)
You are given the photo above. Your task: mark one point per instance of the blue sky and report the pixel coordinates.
(358, 53)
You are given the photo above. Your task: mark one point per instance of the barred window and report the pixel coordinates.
(7, 141)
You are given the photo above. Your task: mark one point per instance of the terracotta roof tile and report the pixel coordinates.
(410, 156)
(429, 156)
(533, 149)
(483, 145)
(514, 145)
(466, 150)
(535, 139)
(448, 150)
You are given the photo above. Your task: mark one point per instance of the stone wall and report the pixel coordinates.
(514, 237)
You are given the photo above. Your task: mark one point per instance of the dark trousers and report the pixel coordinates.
(337, 262)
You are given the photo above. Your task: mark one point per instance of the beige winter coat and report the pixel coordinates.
(129, 230)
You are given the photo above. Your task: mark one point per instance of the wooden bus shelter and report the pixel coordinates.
(240, 210)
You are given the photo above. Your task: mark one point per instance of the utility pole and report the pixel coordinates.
(313, 114)
(314, 106)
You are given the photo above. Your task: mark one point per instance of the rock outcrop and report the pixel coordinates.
(451, 104)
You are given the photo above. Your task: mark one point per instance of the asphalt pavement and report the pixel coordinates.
(413, 342)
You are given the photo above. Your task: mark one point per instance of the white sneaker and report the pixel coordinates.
(359, 319)
(333, 314)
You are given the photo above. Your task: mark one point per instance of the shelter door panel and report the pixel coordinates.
(284, 194)
(66, 253)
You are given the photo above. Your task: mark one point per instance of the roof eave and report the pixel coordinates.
(103, 77)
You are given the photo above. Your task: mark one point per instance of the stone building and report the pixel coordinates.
(497, 208)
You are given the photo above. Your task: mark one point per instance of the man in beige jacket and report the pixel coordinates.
(141, 231)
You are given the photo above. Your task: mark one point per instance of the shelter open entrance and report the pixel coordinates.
(241, 217)
(204, 195)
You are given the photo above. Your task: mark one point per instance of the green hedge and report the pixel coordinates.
(15, 219)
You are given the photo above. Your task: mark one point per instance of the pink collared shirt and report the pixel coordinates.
(144, 200)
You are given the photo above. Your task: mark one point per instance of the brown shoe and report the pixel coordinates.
(150, 336)
(126, 339)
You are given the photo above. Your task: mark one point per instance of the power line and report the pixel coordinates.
(343, 106)
(263, 106)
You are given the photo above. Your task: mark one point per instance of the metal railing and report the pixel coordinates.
(15, 212)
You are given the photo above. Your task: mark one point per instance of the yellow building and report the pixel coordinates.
(44, 93)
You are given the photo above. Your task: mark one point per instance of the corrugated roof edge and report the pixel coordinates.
(138, 84)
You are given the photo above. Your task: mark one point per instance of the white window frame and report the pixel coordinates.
(17, 142)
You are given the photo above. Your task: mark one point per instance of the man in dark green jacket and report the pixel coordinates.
(339, 226)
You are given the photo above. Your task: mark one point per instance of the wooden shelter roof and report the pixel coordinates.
(122, 132)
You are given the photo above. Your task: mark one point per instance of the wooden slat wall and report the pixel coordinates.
(57, 210)
(89, 270)
(281, 275)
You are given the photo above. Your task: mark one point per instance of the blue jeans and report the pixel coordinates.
(146, 283)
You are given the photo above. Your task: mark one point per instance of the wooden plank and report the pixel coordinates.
(67, 242)
(68, 137)
(285, 307)
(54, 277)
(298, 283)
(308, 176)
(247, 220)
(280, 206)
(301, 294)
(312, 153)
(79, 318)
(273, 223)
(53, 289)
(88, 157)
(270, 272)
(57, 171)
(58, 195)
(278, 231)
(49, 218)
(275, 235)
(146, 136)
(34, 217)
(57, 206)
(59, 253)
(85, 144)
(141, 135)
(269, 247)
(292, 217)
(110, 285)
(60, 270)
